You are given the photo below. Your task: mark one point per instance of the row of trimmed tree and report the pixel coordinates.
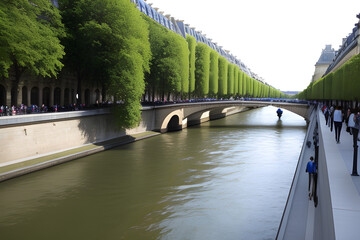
(110, 42)
(343, 84)
(186, 69)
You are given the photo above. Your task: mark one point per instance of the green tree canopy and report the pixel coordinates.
(236, 80)
(202, 71)
(29, 38)
(223, 76)
(170, 62)
(242, 84)
(191, 45)
(230, 79)
(109, 39)
(214, 74)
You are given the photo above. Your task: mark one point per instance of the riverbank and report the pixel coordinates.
(28, 165)
(34, 142)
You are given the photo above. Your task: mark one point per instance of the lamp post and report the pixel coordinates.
(354, 170)
(355, 138)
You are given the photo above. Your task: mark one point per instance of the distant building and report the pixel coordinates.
(326, 58)
(291, 92)
(350, 47)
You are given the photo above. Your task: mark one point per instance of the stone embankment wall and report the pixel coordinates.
(33, 135)
(24, 137)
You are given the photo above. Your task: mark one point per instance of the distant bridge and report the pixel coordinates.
(179, 116)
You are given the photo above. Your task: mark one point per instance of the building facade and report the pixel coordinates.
(326, 58)
(35, 90)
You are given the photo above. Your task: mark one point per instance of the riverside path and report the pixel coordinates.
(337, 213)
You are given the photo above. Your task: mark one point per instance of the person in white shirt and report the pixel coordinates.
(351, 123)
(338, 118)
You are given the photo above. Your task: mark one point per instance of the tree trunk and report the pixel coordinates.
(18, 72)
(153, 93)
(78, 99)
(103, 92)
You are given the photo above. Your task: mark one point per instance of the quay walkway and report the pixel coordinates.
(337, 213)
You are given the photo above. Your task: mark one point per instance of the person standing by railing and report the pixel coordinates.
(311, 169)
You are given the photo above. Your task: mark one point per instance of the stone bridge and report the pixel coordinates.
(179, 116)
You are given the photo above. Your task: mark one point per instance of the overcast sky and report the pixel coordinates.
(280, 40)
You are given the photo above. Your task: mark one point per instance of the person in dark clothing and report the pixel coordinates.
(355, 129)
(279, 113)
(326, 113)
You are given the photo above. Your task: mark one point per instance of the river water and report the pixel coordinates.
(225, 179)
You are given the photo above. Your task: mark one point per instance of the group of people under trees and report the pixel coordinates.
(24, 109)
(334, 118)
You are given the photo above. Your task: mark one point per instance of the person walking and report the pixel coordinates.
(355, 139)
(311, 169)
(347, 118)
(338, 118)
(351, 123)
(331, 117)
(326, 113)
(355, 129)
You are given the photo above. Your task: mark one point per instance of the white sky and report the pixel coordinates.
(280, 40)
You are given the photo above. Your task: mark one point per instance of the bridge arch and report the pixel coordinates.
(196, 113)
(173, 124)
(173, 121)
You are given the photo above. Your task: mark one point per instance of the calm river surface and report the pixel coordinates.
(225, 179)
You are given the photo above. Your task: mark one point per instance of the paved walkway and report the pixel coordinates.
(338, 212)
(344, 188)
(299, 212)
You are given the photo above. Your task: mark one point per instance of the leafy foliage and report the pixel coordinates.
(343, 84)
(230, 79)
(170, 62)
(191, 45)
(223, 75)
(214, 74)
(29, 37)
(108, 41)
(236, 80)
(202, 71)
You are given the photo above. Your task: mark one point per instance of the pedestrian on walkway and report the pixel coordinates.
(348, 121)
(355, 139)
(311, 169)
(355, 129)
(326, 113)
(331, 117)
(338, 119)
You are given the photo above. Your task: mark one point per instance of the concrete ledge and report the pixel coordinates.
(94, 148)
(45, 117)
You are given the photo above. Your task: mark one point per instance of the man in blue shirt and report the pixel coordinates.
(311, 169)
